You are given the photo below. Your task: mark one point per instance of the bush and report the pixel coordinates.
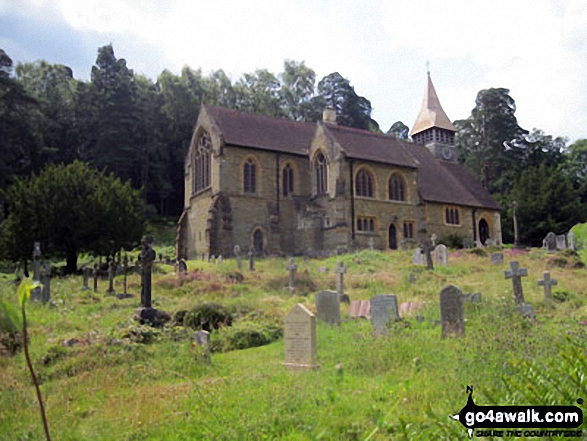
(207, 316)
(10, 337)
(478, 252)
(246, 334)
(453, 241)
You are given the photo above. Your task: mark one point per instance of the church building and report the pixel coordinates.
(286, 187)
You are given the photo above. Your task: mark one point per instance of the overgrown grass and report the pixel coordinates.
(105, 377)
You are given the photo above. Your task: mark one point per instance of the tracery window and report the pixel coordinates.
(397, 186)
(364, 184)
(321, 174)
(250, 176)
(202, 163)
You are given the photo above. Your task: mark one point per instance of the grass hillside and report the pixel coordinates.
(106, 378)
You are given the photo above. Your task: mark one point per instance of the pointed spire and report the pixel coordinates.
(431, 114)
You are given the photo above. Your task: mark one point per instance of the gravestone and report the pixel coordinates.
(516, 273)
(418, 257)
(452, 312)
(571, 240)
(328, 307)
(183, 267)
(86, 271)
(427, 249)
(45, 275)
(300, 338)
(252, 259)
(527, 312)
(110, 289)
(147, 258)
(440, 255)
(125, 272)
(340, 271)
(384, 310)
(213, 259)
(95, 276)
(497, 258)
(371, 243)
(561, 242)
(547, 282)
(360, 308)
(239, 260)
(220, 260)
(202, 339)
(37, 293)
(550, 242)
(291, 267)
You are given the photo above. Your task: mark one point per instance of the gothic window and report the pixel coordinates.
(321, 174)
(202, 163)
(452, 216)
(364, 184)
(397, 191)
(250, 176)
(288, 180)
(409, 230)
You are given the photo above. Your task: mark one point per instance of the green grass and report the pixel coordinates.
(401, 386)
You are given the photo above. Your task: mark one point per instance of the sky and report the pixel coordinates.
(537, 48)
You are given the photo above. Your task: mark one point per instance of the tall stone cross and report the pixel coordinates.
(110, 289)
(239, 259)
(340, 270)
(291, 267)
(95, 276)
(252, 259)
(516, 232)
(147, 258)
(427, 249)
(547, 282)
(516, 273)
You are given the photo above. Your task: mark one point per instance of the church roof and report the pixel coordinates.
(262, 132)
(431, 114)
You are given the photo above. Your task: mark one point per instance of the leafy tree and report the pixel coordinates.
(71, 209)
(351, 109)
(399, 130)
(575, 166)
(259, 93)
(297, 90)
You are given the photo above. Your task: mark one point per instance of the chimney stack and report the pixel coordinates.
(329, 115)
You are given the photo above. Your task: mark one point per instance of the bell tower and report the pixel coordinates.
(433, 128)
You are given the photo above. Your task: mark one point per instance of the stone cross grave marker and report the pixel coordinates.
(202, 339)
(110, 289)
(452, 311)
(418, 257)
(45, 275)
(147, 258)
(561, 242)
(440, 255)
(86, 271)
(371, 243)
(571, 240)
(427, 249)
(383, 311)
(340, 270)
(252, 259)
(360, 308)
(434, 239)
(497, 258)
(550, 242)
(547, 282)
(300, 338)
(292, 267)
(183, 267)
(37, 293)
(328, 307)
(239, 259)
(95, 276)
(516, 273)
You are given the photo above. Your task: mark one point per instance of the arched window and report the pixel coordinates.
(321, 174)
(288, 180)
(364, 184)
(202, 163)
(250, 176)
(397, 187)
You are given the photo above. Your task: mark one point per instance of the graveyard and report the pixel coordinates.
(368, 345)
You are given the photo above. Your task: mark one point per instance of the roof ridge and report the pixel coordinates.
(259, 115)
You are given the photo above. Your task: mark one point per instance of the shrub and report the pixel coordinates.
(478, 252)
(452, 241)
(10, 337)
(207, 316)
(246, 334)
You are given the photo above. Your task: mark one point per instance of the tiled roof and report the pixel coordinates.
(262, 132)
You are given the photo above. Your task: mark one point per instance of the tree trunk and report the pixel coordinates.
(71, 262)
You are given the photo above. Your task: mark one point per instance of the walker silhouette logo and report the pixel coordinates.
(474, 417)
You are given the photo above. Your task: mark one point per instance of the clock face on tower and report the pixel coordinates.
(447, 153)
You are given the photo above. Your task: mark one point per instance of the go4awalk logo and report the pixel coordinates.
(513, 418)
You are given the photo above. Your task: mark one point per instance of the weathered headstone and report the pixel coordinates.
(292, 267)
(300, 338)
(213, 259)
(550, 242)
(440, 255)
(547, 282)
(183, 267)
(360, 308)
(497, 258)
(202, 339)
(418, 257)
(340, 271)
(95, 276)
(452, 311)
(328, 307)
(561, 242)
(516, 273)
(571, 240)
(371, 243)
(384, 310)
(252, 259)
(239, 259)
(220, 260)
(86, 271)
(110, 289)
(427, 249)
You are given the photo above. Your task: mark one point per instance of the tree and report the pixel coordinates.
(259, 93)
(297, 89)
(399, 130)
(575, 167)
(351, 109)
(71, 209)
